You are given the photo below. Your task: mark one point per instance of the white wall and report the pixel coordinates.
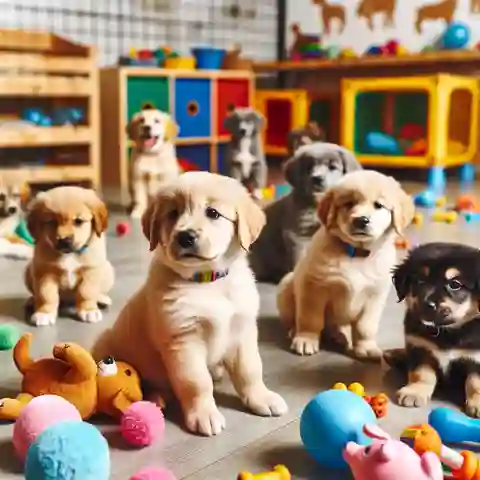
(357, 35)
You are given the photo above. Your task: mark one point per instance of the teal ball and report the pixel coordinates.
(333, 51)
(68, 451)
(9, 336)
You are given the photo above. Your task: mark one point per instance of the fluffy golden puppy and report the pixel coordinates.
(154, 158)
(197, 310)
(70, 257)
(345, 276)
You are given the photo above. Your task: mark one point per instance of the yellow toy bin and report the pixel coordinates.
(184, 63)
(284, 110)
(427, 121)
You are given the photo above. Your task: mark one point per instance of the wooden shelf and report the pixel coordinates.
(177, 72)
(44, 136)
(444, 57)
(42, 65)
(45, 174)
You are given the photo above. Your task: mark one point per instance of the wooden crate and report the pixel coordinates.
(40, 66)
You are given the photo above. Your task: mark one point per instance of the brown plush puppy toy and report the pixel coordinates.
(108, 387)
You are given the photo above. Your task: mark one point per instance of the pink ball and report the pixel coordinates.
(141, 423)
(40, 413)
(152, 473)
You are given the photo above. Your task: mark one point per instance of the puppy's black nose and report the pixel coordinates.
(12, 210)
(361, 223)
(187, 238)
(146, 130)
(65, 243)
(317, 181)
(243, 131)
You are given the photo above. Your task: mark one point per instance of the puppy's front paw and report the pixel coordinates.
(472, 406)
(367, 351)
(414, 395)
(42, 319)
(305, 343)
(90, 316)
(137, 212)
(205, 419)
(265, 403)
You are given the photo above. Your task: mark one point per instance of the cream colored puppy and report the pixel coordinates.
(345, 276)
(154, 158)
(198, 307)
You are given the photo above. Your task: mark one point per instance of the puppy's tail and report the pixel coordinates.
(21, 353)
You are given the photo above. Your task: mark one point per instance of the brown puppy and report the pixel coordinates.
(344, 277)
(70, 255)
(154, 159)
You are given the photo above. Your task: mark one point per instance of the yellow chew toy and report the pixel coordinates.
(279, 472)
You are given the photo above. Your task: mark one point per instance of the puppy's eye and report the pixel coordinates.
(2, 197)
(210, 212)
(78, 222)
(332, 166)
(454, 285)
(378, 206)
(156, 120)
(348, 205)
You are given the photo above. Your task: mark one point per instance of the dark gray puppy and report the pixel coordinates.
(245, 159)
(292, 220)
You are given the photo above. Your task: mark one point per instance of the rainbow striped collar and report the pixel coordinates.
(208, 276)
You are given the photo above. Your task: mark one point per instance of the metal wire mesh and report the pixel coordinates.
(116, 26)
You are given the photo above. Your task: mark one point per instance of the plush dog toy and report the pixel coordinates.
(108, 387)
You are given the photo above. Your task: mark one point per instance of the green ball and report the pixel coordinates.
(22, 232)
(9, 336)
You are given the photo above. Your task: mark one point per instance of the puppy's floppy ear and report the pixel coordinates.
(132, 127)
(326, 210)
(171, 130)
(350, 162)
(250, 221)
(99, 212)
(34, 216)
(402, 279)
(229, 121)
(151, 225)
(290, 169)
(403, 210)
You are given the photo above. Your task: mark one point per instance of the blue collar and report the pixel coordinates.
(208, 276)
(354, 252)
(81, 249)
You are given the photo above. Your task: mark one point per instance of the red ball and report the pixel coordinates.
(392, 47)
(122, 228)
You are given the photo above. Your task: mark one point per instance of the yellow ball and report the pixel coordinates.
(339, 386)
(348, 53)
(441, 202)
(401, 50)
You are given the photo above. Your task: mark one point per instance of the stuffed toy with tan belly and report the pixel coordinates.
(108, 387)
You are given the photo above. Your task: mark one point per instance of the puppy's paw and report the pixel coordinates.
(305, 343)
(104, 301)
(472, 406)
(217, 372)
(205, 419)
(367, 351)
(137, 212)
(42, 319)
(90, 316)
(414, 395)
(265, 403)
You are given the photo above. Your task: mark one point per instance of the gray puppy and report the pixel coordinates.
(245, 159)
(292, 220)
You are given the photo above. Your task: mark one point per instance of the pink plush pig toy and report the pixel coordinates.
(389, 459)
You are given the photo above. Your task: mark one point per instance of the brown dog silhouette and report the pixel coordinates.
(368, 8)
(329, 13)
(443, 10)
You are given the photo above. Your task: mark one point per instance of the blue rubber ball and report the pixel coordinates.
(456, 36)
(331, 420)
(68, 451)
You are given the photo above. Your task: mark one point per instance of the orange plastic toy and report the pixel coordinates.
(464, 465)
(379, 404)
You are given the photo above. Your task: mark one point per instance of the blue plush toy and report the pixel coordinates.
(68, 451)
(331, 420)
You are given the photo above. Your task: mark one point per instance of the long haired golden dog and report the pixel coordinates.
(344, 278)
(70, 258)
(198, 308)
(154, 158)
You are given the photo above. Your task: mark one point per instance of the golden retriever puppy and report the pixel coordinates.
(345, 276)
(154, 158)
(70, 257)
(198, 308)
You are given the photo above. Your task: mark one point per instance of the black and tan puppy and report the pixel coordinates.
(440, 283)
